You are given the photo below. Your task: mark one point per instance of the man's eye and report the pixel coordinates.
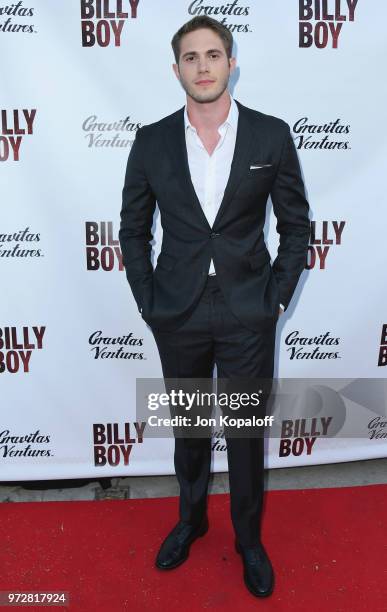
(214, 55)
(189, 58)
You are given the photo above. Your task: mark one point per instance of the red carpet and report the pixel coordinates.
(328, 548)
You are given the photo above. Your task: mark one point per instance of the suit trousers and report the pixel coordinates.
(213, 335)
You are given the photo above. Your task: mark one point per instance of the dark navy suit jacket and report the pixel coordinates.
(265, 162)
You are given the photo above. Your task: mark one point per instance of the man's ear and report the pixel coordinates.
(232, 62)
(176, 70)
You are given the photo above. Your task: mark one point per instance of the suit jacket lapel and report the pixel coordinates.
(239, 165)
(178, 151)
(176, 144)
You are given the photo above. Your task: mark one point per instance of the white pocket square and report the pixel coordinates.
(259, 166)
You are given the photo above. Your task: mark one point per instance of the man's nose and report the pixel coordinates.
(202, 64)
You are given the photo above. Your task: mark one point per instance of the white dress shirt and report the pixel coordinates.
(209, 173)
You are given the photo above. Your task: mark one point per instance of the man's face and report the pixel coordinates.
(204, 68)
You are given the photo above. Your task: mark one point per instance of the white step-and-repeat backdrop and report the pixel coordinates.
(78, 77)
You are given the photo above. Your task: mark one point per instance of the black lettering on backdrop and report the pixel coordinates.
(16, 10)
(98, 133)
(233, 9)
(105, 347)
(319, 136)
(7, 249)
(298, 345)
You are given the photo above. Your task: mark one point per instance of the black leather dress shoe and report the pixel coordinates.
(258, 571)
(175, 548)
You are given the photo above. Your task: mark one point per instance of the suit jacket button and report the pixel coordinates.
(214, 234)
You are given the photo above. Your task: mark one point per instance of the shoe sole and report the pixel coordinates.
(201, 533)
(237, 548)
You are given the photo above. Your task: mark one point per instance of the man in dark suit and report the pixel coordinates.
(213, 296)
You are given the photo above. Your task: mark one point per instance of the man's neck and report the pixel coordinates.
(208, 116)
